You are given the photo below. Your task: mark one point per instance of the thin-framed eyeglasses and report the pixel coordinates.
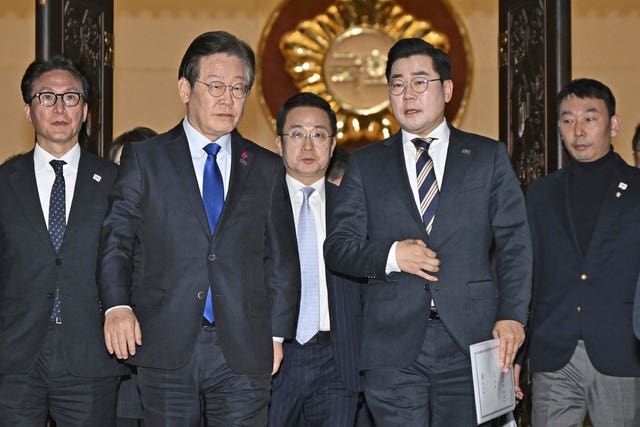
(316, 136)
(217, 89)
(49, 99)
(418, 85)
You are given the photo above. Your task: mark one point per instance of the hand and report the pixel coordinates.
(516, 373)
(511, 336)
(122, 332)
(414, 257)
(278, 355)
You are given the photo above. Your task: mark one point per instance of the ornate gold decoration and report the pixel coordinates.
(340, 55)
(108, 49)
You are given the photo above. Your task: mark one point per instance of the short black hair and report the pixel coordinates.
(338, 163)
(211, 43)
(405, 48)
(305, 99)
(40, 66)
(588, 88)
(136, 134)
(636, 139)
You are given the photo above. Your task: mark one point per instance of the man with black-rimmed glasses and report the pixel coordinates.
(52, 203)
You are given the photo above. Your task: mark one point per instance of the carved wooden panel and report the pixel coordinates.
(535, 61)
(82, 30)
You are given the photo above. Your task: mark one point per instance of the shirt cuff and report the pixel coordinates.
(116, 306)
(392, 263)
(278, 339)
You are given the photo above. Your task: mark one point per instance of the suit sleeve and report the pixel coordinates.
(115, 256)
(348, 248)
(282, 269)
(514, 258)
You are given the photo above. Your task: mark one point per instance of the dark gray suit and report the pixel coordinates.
(480, 210)
(30, 270)
(249, 261)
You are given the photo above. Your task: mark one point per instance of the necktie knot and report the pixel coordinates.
(307, 192)
(57, 166)
(423, 143)
(212, 149)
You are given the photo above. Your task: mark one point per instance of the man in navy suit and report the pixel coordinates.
(432, 290)
(208, 215)
(586, 241)
(319, 380)
(52, 203)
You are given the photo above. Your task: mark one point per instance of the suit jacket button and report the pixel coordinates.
(211, 257)
(202, 295)
(58, 261)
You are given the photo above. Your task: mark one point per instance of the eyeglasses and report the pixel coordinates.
(316, 136)
(238, 90)
(418, 85)
(49, 99)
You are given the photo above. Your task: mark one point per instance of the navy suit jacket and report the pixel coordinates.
(156, 213)
(585, 297)
(30, 269)
(481, 207)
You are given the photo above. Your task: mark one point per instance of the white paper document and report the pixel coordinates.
(494, 390)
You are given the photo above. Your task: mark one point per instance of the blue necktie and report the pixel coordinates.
(309, 316)
(57, 223)
(427, 185)
(213, 198)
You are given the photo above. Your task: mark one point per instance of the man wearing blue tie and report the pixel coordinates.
(319, 379)
(420, 214)
(209, 214)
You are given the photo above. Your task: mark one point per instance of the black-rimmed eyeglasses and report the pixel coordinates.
(316, 136)
(49, 99)
(418, 85)
(217, 89)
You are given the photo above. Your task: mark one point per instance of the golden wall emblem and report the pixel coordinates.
(338, 51)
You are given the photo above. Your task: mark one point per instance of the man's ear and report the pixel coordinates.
(184, 90)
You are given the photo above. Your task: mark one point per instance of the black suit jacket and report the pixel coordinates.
(480, 206)
(585, 297)
(250, 261)
(30, 269)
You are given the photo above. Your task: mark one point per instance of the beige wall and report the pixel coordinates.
(151, 36)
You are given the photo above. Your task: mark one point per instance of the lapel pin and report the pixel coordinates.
(96, 177)
(243, 158)
(622, 185)
(618, 194)
(466, 151)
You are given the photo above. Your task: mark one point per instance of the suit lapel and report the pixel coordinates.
(398, 178)
(242, 159)
(180, 159)
(23, 182)
(611, 205)
(560, 200)
(459, 157)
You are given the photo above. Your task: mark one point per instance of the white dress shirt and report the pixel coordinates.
(45, 175)
(317, 202)
(438, 152)
(197, 142)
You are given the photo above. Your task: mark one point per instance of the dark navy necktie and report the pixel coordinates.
(57, 223)
(213, 198)
(427, 185)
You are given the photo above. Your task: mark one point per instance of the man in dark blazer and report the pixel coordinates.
(586, 241)
(52, 358)
(430, 295)
(319, 380)
(214, 291)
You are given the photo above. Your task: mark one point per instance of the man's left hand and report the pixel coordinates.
(511, 336)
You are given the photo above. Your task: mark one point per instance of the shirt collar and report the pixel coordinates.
(41, 158)
(441, 132)
(197, 141)
(295, 186)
